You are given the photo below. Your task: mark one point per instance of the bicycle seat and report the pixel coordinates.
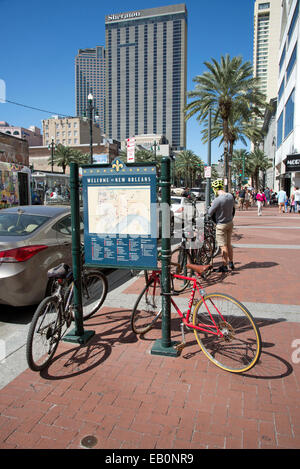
(60, 271)
(200, 269)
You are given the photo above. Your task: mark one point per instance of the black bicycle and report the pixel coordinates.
(198, 246)
(55, 313)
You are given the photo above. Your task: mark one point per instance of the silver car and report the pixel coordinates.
(33, 239)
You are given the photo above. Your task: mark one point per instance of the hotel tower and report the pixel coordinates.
(146, 73)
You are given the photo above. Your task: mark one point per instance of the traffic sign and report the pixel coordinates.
(131, 150)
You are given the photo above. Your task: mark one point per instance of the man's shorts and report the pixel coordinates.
(223, 233)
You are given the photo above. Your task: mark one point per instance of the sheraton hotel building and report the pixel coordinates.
(146, 73)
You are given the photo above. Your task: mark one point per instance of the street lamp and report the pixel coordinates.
(155, 147)
(52, 147)
(274, 145)
(208, 179)
(91, 108)
(90, 114)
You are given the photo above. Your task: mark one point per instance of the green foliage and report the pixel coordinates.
(228, 89)
(63, 156)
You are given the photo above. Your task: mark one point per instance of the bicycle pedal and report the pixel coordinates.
(180, 346)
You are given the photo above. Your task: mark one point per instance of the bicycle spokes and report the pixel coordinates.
(227, 333)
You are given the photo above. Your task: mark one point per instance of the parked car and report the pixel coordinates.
(199, 193)
(33, 239)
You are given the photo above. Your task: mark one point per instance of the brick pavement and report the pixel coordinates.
(114, 390)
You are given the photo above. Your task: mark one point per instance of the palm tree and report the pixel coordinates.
(187, 166)
(258, 161)
(62, 157)
(226, 85)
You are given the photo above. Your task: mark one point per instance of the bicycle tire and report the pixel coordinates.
(240, 347)
(205, 253)
(147, 308)
(181, 257)
(44, 334)
(94, 290)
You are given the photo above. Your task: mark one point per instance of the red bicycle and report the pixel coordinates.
(225, 330)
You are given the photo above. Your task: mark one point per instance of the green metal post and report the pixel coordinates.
(165, 346)
(208, 180)
(78, 334)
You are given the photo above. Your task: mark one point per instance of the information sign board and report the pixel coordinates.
(120, 222)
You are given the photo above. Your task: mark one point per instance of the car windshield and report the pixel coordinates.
(175, 201)
(20, 224)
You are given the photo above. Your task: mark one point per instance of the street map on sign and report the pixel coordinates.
(123, 210)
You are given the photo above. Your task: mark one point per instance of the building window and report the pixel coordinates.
(289, 114)
(264, 6)
(293, 22)
(280, 92)
(291, 63)
(282, 58)
(279, 130)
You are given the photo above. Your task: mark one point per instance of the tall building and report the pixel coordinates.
(266, 45)
(146, 73)
(90, 78)
(287, 160)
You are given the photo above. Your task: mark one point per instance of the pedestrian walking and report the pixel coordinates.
(260, 199)
(292, 203)
(297, 199)
(268, 195)
(281, 198)
(222, 212)
(242, 198)
(247, 199)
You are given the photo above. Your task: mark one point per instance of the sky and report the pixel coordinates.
(39, 42)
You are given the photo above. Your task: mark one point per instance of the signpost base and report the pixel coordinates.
(78, 339)
(159, 349)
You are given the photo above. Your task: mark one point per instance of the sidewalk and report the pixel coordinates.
(115, 392)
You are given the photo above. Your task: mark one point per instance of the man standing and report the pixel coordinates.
(281, 198)
(222, 212)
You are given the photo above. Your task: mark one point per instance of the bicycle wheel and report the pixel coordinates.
(238, 348)
(44, 334)
(147, 308)
(205, 253)
(94, 290)
(181, 258)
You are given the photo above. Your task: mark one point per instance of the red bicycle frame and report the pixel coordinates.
(211, 329)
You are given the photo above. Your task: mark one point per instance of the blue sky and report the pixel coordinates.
(39, 41)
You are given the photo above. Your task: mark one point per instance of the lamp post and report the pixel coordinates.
(155, 147)
(274, 145)
(90, 114)
(208, 180)
(52, 148)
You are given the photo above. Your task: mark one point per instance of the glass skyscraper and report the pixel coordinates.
(146, 73)
(90, 78)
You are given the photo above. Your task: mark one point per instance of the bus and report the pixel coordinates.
(50, 188)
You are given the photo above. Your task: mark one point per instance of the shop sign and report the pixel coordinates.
(292, 163)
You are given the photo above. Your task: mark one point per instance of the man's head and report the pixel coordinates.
(217, 185)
